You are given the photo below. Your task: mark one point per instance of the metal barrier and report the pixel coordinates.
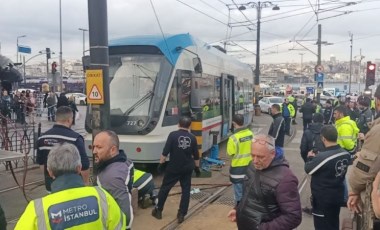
(18, 138)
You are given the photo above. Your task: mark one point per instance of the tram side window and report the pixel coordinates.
(185, 95)
(205, 97)
(171, 110)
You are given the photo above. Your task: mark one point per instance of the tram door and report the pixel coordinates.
(227, 103)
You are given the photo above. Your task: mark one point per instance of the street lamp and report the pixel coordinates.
(22, 36)
(84, 41)
(259, 6)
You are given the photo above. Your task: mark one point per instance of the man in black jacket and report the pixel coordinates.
(184, 158)
(328, 113)
(270, 196)
(277, 128)
(327, 169)
(308, 141)
(307, 111)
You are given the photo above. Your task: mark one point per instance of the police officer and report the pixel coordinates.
(71, 205)
(144, 183)
(59, 133)
(184, 158)
(367, 164)
(239, 150)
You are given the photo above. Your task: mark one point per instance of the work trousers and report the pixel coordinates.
(170, 179)
(326, 217)
(287, 125)
(306, 123)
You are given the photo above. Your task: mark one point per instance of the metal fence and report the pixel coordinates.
(19, 138)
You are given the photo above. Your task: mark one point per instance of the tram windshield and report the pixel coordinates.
(138, 83)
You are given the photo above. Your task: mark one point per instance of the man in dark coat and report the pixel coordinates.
(62, 100)
(328, 113)
(277, 128)
(328, 171)
(270, 196)
(309, 136)
(307, 111)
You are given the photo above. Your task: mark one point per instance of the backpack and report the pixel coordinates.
(317, 143)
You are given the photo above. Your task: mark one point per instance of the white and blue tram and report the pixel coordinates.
(154, 81)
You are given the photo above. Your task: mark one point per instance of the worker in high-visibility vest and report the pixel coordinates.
(143, 182)
(239, 150)
(288, 113)
(71, 205)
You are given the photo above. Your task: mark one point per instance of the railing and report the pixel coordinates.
(18, 138)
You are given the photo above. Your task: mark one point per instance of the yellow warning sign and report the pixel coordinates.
(94, 86)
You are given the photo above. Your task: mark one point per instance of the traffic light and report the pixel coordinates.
(53, 67)
(48, 54)
(370, 75)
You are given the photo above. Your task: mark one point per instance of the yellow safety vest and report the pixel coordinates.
(84, 208)
(291, 99)
(373, 104)
(141, 179)
(347, 133)
(292, 111)
(318, 109)
(239, 149)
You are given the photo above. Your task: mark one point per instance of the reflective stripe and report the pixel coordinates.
(237, 176)
(45, 147)
(326, 160)
(236, 143)
(346, 137)
(58, 137)
(239, 156)
(120, 224)
(103, 205)
(145, 182)
(39, 209)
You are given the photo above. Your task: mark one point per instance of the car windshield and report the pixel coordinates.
(275, 100)
(133, 81)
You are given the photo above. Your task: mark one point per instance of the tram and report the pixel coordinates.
(155, 80)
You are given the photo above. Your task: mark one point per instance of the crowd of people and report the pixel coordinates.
(23, 106)
(265, 188)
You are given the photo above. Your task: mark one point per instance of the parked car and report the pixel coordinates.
(267, 102)
(79, 98)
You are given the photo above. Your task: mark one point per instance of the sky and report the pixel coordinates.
(284, 32)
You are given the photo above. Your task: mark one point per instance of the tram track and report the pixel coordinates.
(194, 210)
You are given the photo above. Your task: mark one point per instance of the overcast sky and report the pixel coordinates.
(205, 19)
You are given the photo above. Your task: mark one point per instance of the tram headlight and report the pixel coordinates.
(140, 123)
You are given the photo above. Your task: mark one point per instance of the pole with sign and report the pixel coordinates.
(319, 77)
(98, 94)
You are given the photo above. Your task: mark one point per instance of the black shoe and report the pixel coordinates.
(157, 213)
(307, 210)
(180, 217)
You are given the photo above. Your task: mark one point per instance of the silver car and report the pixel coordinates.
(267, 102)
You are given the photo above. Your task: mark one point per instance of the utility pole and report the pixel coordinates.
(301, 61)
(351, 40)
(319, 56)
(99, 60)
(361, 57)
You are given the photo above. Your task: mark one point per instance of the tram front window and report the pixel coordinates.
(133, 83)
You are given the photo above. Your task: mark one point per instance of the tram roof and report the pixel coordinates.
(171, 41)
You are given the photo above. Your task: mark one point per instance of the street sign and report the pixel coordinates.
(310, 90)
(24, 49)
(320, 85)
(319, 77)
(94, 86)
(319, 68)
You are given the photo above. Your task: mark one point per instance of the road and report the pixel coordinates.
(214, 216)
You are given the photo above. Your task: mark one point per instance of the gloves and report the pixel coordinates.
(160, 168)
(197, 172)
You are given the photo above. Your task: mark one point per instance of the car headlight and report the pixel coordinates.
(140, 123)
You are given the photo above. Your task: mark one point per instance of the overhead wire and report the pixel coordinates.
(162, 32)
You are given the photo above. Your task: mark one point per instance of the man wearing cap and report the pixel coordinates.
(365, 117)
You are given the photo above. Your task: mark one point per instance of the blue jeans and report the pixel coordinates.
(345, 195)
(238, 191)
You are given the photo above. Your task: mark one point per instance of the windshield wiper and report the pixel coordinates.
(139, 103)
